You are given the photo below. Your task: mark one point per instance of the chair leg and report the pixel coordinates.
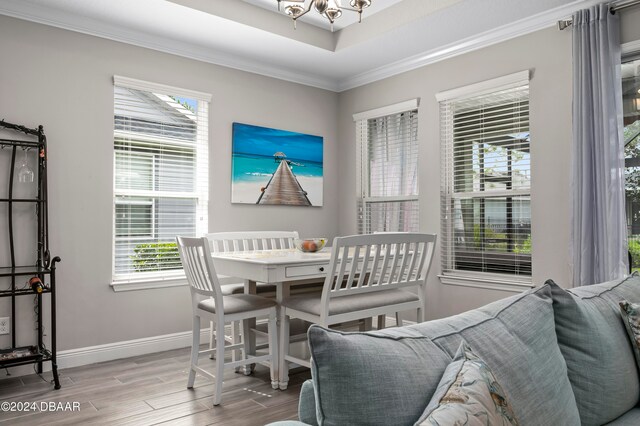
(217, 397)
(284, 349)
(245, 345)
(398, 319)
(236, 354)
(366, 324)
(212, 340)
(420, 315)
(195, 348)
(382, 319)
(273, 349)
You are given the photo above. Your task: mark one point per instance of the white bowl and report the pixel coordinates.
(310, 245)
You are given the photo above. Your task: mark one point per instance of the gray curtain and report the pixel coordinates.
(599, 237)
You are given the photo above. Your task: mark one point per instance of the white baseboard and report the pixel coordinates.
(117, 350)
(128, 348)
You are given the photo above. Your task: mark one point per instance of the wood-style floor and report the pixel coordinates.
(149, 390)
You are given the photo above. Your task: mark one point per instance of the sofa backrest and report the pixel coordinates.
(515, 337)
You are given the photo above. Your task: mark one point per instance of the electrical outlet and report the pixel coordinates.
(5, 325)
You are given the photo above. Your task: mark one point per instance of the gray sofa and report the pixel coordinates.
(562, 357)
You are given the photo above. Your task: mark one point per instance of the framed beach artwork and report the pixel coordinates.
(277, 167)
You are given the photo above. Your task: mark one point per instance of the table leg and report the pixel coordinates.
(282, 293)
(250, 288)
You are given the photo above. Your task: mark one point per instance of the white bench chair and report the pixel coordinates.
(368, 275)
(210, 304)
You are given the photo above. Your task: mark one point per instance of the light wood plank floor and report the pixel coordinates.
(149, 390)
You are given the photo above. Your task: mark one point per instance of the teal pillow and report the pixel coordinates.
(600, 362)
(468, 394)
(372, 379)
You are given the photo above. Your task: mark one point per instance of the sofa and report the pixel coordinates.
(563, 357)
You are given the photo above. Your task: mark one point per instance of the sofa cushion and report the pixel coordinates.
(468, 394)
(594, 343)
(514, 336)
(370, 379)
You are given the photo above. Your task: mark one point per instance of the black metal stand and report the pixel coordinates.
(44, 268)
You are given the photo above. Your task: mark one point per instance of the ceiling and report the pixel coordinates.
(251, 36)
(318, 20)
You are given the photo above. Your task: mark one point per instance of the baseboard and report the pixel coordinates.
(117, 350)
(129, 348)
(110, 351)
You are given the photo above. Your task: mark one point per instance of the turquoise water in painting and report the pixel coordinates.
(258, 168)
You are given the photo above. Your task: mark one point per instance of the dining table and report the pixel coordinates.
(280, 267)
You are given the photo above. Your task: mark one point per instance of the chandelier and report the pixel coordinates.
(330, 9)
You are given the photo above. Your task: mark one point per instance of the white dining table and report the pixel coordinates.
(282, 268)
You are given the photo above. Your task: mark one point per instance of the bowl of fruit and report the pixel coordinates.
(310, 245)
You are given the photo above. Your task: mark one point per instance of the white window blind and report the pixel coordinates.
(388, 173)
(486, 184)
(160, 176)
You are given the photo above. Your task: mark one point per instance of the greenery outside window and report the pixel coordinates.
(631, 108)
(160, 177)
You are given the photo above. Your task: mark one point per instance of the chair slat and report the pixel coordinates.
(365, 267)
(354, 266)
(253, 240)
(374, 270)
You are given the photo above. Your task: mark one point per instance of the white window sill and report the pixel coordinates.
(149, 283)
(485, 283)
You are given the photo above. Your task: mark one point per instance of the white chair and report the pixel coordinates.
(368, 275)
(223, 242)
(209, 303)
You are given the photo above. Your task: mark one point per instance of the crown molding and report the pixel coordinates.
(512, 30)
(43, 15)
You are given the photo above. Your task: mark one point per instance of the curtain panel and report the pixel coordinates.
(599, 234)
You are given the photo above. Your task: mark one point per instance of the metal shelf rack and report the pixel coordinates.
(44, 266)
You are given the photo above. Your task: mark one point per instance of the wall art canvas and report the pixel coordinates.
(277, 167)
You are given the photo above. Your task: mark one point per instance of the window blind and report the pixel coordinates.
(160, 177)
(486, 185)
(388, 173)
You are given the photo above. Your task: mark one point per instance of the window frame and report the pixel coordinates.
(449, 274)
(173, 277)
(363, 181)
(630, 53)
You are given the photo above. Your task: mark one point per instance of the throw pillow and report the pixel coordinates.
(468, 394)
(595, 346)
(371, 379)
(631, 318)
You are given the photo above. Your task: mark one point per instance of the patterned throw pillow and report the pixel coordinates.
(468, 394)
(631, 318)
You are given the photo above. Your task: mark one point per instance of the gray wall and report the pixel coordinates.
(63, 80)
(547, 54)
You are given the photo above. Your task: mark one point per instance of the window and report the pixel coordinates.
(486, 182)
(631, 108)
(388, 169)
(160, 177)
